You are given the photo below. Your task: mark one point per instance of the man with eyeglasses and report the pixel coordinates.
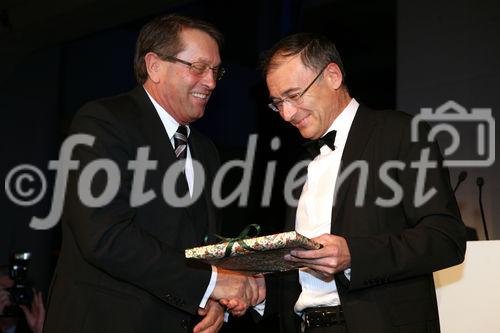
(122, 266)
(374, 271)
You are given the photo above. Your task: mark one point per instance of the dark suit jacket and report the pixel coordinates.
(122, 268)
(394, 250)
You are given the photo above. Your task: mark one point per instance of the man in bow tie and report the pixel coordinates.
(374, 271)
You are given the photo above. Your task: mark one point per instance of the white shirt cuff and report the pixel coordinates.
(210, 288)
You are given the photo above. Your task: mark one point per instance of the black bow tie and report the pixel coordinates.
(314, 146)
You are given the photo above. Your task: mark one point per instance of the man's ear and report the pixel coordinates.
(334, 76)
(153, 66)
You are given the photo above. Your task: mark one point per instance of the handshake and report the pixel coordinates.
(237, 292)
(233, 291)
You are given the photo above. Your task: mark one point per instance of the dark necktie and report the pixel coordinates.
(180, 150)
(180, 142)
(314, 146)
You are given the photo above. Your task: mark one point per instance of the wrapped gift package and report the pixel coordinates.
(262, 254)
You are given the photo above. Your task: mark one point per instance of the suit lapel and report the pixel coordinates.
(161, 147)
(359, 134)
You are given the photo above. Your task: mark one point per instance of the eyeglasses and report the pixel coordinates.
(198, 68)
(293, 99)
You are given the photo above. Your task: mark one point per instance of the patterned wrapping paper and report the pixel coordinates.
(265, 256)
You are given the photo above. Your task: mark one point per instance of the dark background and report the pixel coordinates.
(57, 55)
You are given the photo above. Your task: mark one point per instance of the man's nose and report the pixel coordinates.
(288, 111)
(209, 79)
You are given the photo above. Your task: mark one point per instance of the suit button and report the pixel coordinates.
(184, 323)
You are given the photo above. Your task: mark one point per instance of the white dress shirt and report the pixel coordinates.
(171, 125)
(314, 211)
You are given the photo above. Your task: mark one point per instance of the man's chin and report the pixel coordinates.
(306, 134)
(197, 114)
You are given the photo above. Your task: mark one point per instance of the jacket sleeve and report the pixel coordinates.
(432, 235)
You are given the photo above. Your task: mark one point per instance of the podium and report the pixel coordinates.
(468, 294)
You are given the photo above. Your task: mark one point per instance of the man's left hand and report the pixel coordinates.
(332, 258)
(214, 318)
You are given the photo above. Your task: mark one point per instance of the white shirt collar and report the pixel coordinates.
(342, 124)
(167, 120)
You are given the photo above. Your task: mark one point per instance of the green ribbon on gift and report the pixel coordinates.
(240, 239)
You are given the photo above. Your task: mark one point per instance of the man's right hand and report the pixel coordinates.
(35, 315)
(238, 291)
